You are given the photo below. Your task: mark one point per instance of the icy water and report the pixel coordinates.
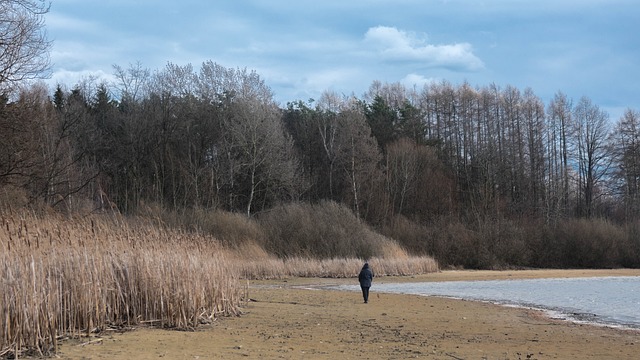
(611, 301)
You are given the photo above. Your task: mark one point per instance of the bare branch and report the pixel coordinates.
(24, 48)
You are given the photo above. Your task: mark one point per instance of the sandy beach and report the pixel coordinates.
(297, 319)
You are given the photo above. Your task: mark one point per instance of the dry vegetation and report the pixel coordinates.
(72, 276)
(67, 277)
(500, 244)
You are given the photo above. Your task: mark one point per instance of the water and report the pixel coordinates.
(611, 301)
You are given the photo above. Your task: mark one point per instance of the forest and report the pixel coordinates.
(478, 177)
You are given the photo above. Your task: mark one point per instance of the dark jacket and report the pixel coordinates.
(366, 276)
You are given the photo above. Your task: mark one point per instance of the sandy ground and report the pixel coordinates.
(293, 319)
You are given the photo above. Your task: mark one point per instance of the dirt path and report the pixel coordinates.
(287, 321)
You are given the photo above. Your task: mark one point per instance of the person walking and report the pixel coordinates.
(365, 277)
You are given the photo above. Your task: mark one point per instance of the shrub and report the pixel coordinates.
(630, 248)
(582, 243)
(232, 229)
(12, 198)
(326, 230)
(412, 236)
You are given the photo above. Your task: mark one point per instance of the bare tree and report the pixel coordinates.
(558, 132)
(393, 94)
(19, 155)
(259, 154)
(214, 81)
(39, 149)
(402, 172)
(359, 158)
(131, 81)
(24, 48)
(329, 107)
(592, 152)
(627, 157)
(534, 116)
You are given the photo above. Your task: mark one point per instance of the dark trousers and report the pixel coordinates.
(365, 293)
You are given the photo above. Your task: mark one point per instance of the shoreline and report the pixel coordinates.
(489, 275)
(289, 319)
(555, 312)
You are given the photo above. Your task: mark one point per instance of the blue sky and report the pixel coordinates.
(580, 47)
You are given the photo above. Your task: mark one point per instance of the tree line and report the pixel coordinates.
(404, 160)
(215, 138)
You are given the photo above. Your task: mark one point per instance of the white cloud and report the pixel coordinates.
(417, 80)
(330, 78)
(397, 45)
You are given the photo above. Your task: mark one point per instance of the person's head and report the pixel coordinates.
(366, 265)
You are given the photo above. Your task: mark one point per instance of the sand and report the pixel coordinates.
(297, 319)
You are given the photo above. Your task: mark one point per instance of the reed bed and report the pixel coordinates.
(64, 277)
(272, 268)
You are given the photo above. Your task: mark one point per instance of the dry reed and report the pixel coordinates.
(74, 277)
(273, 268)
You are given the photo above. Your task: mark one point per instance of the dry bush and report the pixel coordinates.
(447, 240)
(232, 229)
(412, 236)
(505, 243)
(586, 243)
(326, 230)
(73, 277)
(630, 248)
(350, 267)
(251, 261)
(12, 198)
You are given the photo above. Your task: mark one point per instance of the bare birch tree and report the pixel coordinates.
(359, 158)
(259, 153)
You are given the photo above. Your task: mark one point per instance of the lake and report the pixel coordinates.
(610, 301)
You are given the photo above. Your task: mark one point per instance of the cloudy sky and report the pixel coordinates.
(580, 47)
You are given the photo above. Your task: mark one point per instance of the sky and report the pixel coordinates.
(300, 49)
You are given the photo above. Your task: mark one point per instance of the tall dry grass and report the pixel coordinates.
(68, 277)
(275, 268)
(255, 263)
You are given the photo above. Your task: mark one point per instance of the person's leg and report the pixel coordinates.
(365, 292)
